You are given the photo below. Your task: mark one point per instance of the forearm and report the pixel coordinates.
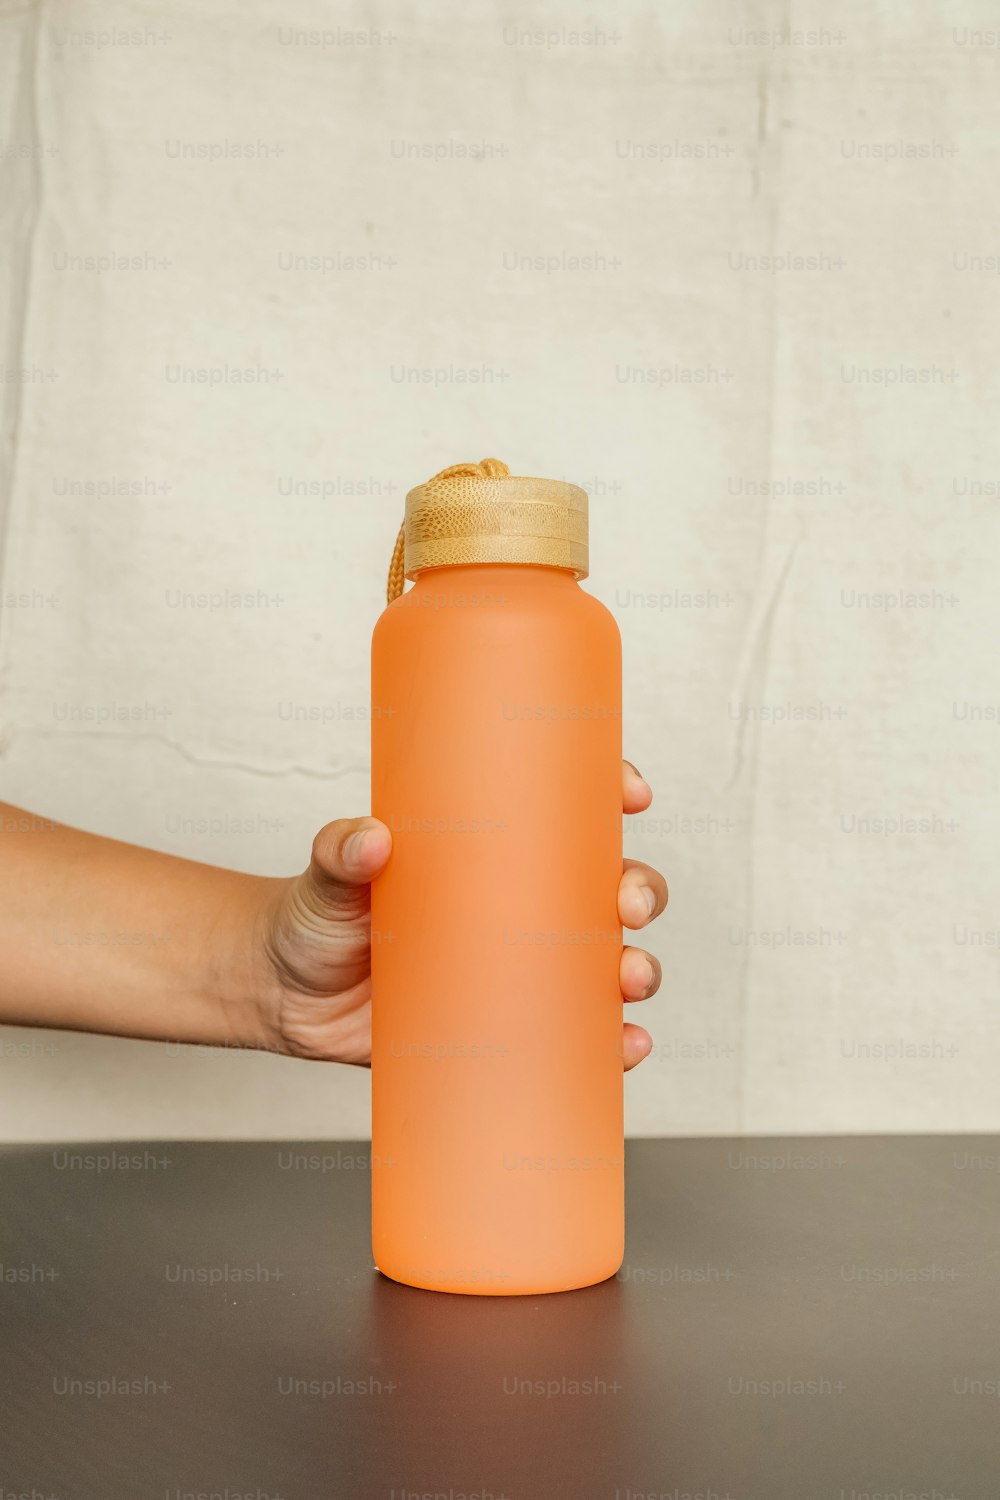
(97, 935)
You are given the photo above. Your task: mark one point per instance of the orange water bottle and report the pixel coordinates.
(497, 1137)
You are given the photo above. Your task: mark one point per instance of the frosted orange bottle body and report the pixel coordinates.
(497, 1135)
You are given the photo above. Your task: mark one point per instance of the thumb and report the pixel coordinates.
(346, 857)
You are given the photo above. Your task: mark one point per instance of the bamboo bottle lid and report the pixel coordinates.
(479, 513)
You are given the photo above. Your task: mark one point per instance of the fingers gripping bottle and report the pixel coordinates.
(497, 1137)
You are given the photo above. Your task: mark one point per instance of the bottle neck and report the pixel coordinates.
(489, 584)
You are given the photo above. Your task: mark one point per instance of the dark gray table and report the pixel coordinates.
(794, 1318)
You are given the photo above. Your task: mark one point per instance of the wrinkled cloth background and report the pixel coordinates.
(431, 235)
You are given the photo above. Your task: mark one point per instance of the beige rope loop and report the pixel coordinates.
(487, 468)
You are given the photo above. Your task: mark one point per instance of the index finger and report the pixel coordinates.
(636, 791)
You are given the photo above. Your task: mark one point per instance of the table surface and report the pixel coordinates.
(794, 1318)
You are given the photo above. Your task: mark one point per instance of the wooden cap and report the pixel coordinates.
(471, 519)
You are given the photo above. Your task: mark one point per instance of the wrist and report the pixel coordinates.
(241, 978)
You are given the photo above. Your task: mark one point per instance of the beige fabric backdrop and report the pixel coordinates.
(732, 267)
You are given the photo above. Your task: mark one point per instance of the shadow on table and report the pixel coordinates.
(502, 1395)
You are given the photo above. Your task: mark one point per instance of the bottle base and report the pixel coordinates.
(500, 1286)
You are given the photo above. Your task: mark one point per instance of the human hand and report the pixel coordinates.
(314, 935)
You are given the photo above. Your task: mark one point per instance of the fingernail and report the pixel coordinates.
(638, 773)
(649, 898)
(650, 974)
(354, 848)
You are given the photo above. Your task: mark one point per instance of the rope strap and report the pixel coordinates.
(489, 468)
